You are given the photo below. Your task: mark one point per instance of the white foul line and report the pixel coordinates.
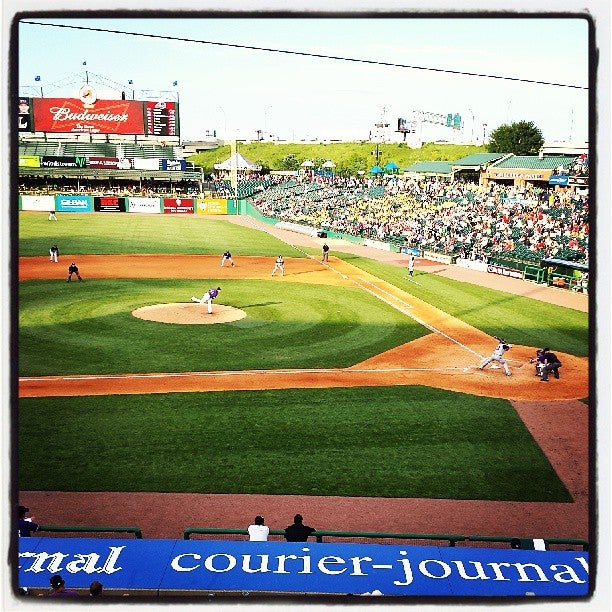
(82, 377)
(403, 309)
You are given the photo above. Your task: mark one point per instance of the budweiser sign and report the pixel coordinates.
(70, 115)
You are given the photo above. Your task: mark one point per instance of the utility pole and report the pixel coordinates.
(379, 135)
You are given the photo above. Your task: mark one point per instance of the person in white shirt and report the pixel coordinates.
(258, 532)
(501, 348)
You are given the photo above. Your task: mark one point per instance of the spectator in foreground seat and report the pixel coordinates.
(26, 524)
(258, 532)
(298, 532)
(95, 589)
(58, 588)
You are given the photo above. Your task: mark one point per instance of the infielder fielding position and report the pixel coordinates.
(279, 264)
(207, 298)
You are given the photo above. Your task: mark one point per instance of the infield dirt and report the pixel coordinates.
(445, 358)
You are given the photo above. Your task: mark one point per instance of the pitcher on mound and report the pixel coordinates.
(207, 298)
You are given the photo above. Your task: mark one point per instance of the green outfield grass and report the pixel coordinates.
(379, 442)
(398, 441)
(117, 233)
(88, 328)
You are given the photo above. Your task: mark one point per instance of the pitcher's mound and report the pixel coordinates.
(189, 314)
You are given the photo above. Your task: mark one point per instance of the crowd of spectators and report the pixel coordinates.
(116, 187)
(456, 218)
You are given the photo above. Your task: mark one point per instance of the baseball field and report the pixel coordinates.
(347, 391)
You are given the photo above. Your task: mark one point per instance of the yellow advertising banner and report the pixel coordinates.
(31, 161)
(209, 206)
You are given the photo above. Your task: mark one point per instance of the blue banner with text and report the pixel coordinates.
(304, 567)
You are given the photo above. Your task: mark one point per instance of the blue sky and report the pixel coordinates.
(238, 91)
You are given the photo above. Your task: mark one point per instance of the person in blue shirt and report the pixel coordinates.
(26, 524)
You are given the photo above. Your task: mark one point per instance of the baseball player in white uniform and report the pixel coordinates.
(497, 355)
(207, 298)
(411, 264)
(279, 264)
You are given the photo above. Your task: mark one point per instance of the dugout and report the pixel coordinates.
(565, 274)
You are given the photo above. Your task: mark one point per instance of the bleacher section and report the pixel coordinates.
(60, 148)
(40, 148)
(89, 149)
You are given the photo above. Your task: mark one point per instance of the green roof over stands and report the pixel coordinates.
(477, 159)
(434, 167)
(534, 162)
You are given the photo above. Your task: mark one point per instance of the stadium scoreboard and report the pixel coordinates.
(94, 116)
(161, 118)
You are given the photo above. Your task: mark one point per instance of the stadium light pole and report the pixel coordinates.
(472, 130)
(266, 119)
(234, 170)
(224, 120)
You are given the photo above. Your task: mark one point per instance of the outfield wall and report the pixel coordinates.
(130, 204)
(219, 206)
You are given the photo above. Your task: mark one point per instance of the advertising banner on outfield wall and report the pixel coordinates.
(109, 204)
(51, 161)
(32, 202)
(146, 164)
(502, 271)
(209, 206)
(173, 164)
(377, 244)
(73, 203)
(72, 115)
(144, 205)
(303, 567)
(472, 264)
(433, 256)
(29, 161)
(112, 163)
(173, 206)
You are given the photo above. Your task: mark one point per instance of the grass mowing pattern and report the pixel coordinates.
(88, 328)
(518, 319)
(116, 233)
(399, 441)
(380, 442)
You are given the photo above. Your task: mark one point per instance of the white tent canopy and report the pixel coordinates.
(238, 162)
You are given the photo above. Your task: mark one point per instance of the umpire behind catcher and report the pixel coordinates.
(551, 364)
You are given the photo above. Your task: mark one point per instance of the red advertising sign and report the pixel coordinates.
(109, 204)
(70, 115)
(178, 206)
